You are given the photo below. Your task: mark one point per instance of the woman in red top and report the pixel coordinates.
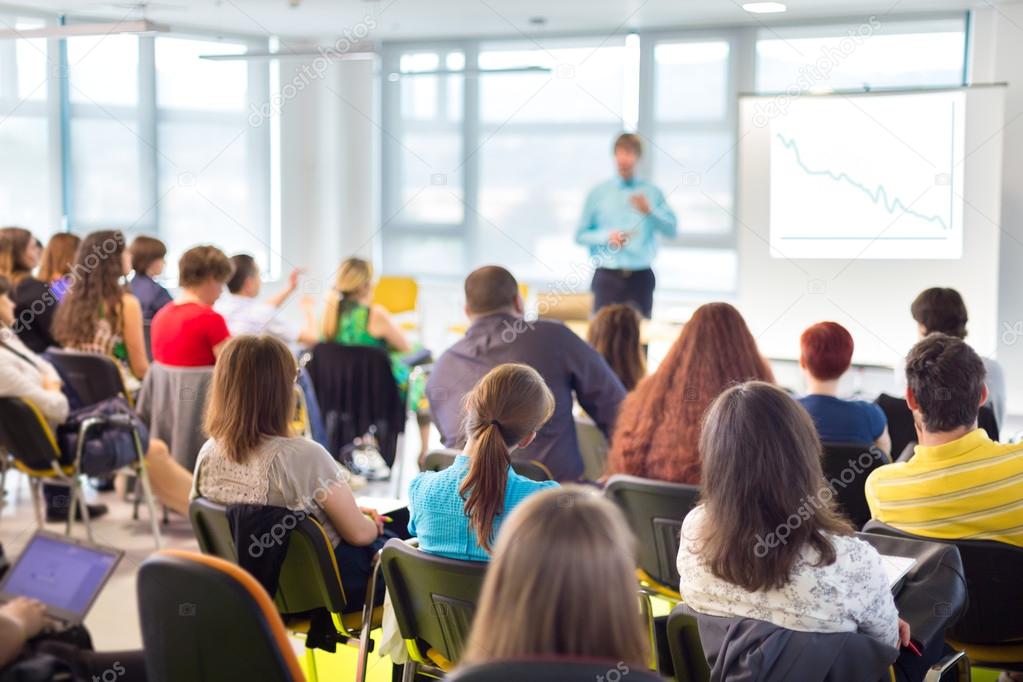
(188, 332)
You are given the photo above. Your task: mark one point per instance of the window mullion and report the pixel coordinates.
(149, 176)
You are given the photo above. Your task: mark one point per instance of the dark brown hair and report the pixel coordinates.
(244, 267)
(201, 263)
(58, 256)
(96, 289)
(942, 310)
(13, 243)
(761, 467)
(509, 403)
(561, 583)
(252, 395)
(658, 425)
(5, 286)
(614, 333)
(489, 289)
(630, 141)
(145, 251)
(946, 377)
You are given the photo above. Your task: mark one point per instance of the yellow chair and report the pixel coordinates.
(397, 294)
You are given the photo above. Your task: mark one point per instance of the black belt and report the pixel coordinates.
(622, 272)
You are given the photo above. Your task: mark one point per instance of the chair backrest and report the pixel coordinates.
(310, 577)
(846, 467)
(552, 670)
(92, 376)
(654, 511)
(205, 619)
(434, 598)
(593, 448)
(687, 658)
(171, 403)
(212, 529)
(396, 294)
(438, 460)
(992, 573)
(25, 434)
(902, 430)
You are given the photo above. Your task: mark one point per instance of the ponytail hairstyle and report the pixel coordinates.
(506, 407)
(354, 278)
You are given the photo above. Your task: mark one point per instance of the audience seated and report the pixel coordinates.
(614, 333)
(252, 458)
(561, 584)
(659, 425)
(188, 332)
(23, 374)
(498, 334)
(457, 512)
(742, 556)
(943, 310)
(57, 262)
(97, 314)
(34, 306)
(147, 261)
(246, 314)
(959, 484)
(826, 351)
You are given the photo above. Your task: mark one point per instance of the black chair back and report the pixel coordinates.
(93, 377)
(687, 658)
(991, 571)
(434, 598)
(846, 467)
(438, 460)
(552, 670)
(903, 431)
(654, 511)
(25, 434)
(212, 529)
(205, 619)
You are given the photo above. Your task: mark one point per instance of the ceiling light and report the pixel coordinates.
(764, 7)
(139, 27)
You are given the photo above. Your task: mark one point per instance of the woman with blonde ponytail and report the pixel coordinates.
(457, 512)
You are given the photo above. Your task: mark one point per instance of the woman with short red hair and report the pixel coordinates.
(826, 350)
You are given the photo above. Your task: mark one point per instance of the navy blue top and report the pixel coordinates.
(151, 295)
(845, 421)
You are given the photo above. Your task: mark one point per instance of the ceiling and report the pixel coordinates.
(328, 19)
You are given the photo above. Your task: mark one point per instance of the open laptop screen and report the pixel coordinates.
(64, 574)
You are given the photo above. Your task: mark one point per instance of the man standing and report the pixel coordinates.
(620, 222)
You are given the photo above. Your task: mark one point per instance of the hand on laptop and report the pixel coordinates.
(29, 613)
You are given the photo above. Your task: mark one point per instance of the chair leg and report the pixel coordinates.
(310, 665)
(147, 491)
(409, 673)
(34, 485)
(72, 503)
(647, 608)
(80, 494)
(367, 622)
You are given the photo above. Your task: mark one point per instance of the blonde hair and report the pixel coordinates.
(561, 583)
(252, 395)
(510, 403)
(354, 277)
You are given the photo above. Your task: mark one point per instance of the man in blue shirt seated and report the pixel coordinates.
(498, 334)
(619, 224)
(826, 350)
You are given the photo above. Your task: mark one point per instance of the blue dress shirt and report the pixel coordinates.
(608, 209)
(438, 511)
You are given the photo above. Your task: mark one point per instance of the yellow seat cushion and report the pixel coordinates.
(1009, 652)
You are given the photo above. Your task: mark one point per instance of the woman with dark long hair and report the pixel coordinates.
(97, 314)
(614, 333)
(659, 423)
(34, 304)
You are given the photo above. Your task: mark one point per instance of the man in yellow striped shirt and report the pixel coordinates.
(959, 483)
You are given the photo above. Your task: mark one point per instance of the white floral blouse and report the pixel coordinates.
(850, 595)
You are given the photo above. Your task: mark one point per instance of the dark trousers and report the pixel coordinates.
(632, 287)
(356, 563)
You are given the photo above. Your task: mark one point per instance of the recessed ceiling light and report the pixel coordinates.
(764, 7)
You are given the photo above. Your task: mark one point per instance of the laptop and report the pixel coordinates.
(65, 574)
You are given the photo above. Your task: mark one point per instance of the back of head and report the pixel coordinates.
(946, 378)
(13, 243)
(490, 289)
(201, 264)
(561, 583)
(354, 279)
(826, 350)
(252, 395)
(95, 290)
(244, 267)
(761, 466)
(658, 427)
(508, 405)
(145, 251)
(614, 332)
(58, 256)
(940, 309)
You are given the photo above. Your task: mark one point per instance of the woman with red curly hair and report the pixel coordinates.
(658, 426)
